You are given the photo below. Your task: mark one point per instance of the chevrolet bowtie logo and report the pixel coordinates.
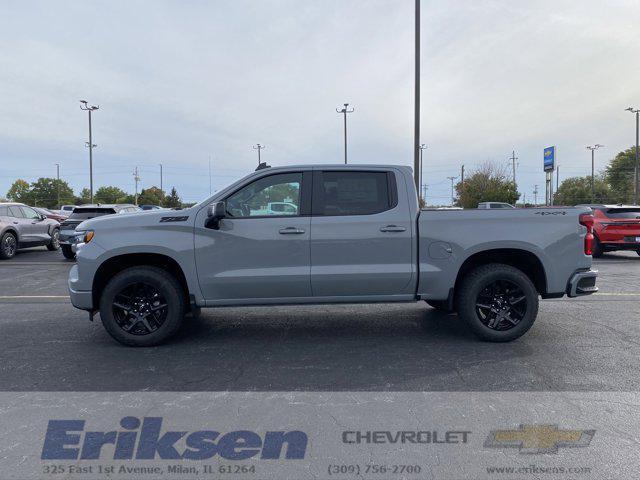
(539, 438)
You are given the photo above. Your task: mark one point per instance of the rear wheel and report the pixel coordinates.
(67, 252)
(54, 244)
(597, 248)
(8, 246)
(142, 306)
(498, 302)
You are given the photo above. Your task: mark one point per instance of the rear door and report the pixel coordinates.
(361, 235)
(256, 254)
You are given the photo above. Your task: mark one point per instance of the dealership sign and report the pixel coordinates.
(549, 159)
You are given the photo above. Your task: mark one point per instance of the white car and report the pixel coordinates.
(491, 205)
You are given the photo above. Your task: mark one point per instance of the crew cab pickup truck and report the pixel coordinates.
(356, 235)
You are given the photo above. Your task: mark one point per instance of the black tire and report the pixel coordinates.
(597, 248)
(54, 244)
(442, 305)
(67, 252)
(480, 302)
(116, 319)
(8, 246)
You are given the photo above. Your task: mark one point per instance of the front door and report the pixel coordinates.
(260, 252)
(38, 229)
(361, 235)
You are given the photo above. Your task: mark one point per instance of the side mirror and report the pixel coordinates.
(217, 211)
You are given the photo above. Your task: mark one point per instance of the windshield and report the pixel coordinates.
(623, 213)
(87, 213)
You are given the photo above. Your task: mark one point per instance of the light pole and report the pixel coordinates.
(161, 191)
(422, 147)
(636, 170)
(452, 198)
(85, 106)
(344, 110)
(58, 182)
(593, 174)
(258, 147)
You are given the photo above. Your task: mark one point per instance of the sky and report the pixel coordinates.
(182, 82)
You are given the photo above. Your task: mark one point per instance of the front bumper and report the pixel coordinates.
(82, 299)
(582, 283)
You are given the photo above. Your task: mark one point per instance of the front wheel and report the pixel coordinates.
(67, 252)
(54, 244)
(142, 306)
(498, 302)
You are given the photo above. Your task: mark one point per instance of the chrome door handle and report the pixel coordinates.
(393, 228)
(291, 231)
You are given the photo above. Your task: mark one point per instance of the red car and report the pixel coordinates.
(49, 214)
(616, 227)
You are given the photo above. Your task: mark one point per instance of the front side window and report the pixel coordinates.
(275, 195)
(30, 213)
(352, 193)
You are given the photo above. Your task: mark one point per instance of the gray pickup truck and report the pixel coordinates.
(356, 235)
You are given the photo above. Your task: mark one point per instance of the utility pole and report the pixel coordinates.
(535, 196)
(452, 198)
(416, 97)
(462, 175)
(422, 147)
(136, 177)
(424, 193)
(85, 106)
(58, 182)
(593, 174)
(636, 170)
(161, 190)
(513, 159)
(557, 177)
(344, 110)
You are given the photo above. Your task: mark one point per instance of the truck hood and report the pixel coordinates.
(138, 219)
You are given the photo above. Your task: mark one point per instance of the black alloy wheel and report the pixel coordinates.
(140, 309)
(8, 246)
(501, 305)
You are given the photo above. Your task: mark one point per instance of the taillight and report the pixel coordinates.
(586, 219)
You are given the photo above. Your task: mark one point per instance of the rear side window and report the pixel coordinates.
(623, 213)
(353, 193)
(4, 211)
(15, 211)
(87, 213)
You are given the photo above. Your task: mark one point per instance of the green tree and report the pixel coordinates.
(576, 190)
(20, 192)
(110, 194)
(44, 192)
(488, 183)
(619, 175)
(85, 197)
(150, 196)
(172, 200)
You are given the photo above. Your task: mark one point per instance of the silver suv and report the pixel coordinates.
(21, 226)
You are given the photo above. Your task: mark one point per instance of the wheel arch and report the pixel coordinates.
(527, 262)
(116, 264)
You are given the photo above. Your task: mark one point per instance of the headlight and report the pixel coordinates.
(85, 236)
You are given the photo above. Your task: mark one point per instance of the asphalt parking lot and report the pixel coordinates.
(584, 344)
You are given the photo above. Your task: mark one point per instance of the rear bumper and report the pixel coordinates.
(620, 245)
(582, 283)
(82, 299)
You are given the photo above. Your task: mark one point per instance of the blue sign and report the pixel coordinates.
(549, 159)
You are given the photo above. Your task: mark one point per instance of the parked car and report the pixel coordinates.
(281, 208)
(21, 226)
(150, 207)
(58, 217)
(68, 237)
(67, 209)
(616, 227)
(359, 236)
(489, 205)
